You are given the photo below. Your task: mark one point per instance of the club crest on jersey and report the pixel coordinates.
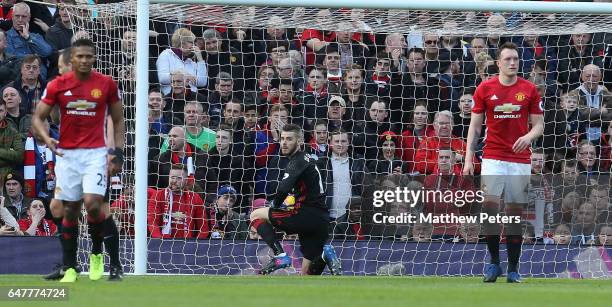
(96, 93)
(520, 96)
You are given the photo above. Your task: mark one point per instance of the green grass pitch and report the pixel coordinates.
(315, 291)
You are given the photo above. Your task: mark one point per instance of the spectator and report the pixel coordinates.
(530, 49)
(595, 99)
(242, 140)
(564, 127)
(464, 116)
(222, 94)
(387, 161)
(496, 24)
(599, 196)
(469, 233)
(196, 132)
(180, 94)
(353, 93)
(160, 121)
(39, 165)
(272, 33)
(569, 206)
(35, 224)
(224, 222)
(380, 81)
(11, 145)
(118, 63)
(350, 225)
(395, 48)
(422, 232)
(288, 100)
(477, 45)
(16, 201)
(415, 85)
(184, 153)
(449, 41)
(60, 34)
(314, 97)
(562, 235)
(176, 213)
(267, 144)
(351, 51)
(447, 176)
(605, 155)
(415, 132)
(6, 14)
(266, 92)
(276, 51)
(21, 42)
(432, 50)
(426, 157)
(15, 116)
(604, 236)
(9, 64)
(588, 164)
(123, 208)
(316, 40)
(251, 118)
(221, 59)
(182, 56)
(583, 224)
(287, 70)
(329, 57)
(8, 223)
(319, 140)
(30, 84)
(232, 168)
(576, 55)
(342, 174)
(538, 211)
(366, 135)
(449, 83)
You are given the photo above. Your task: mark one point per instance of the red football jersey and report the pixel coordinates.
(507, 110)
(83, 108)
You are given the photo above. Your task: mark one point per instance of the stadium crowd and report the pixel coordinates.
(379, 111)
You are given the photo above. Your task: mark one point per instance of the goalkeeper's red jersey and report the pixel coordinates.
(83, 108)
(507, 110)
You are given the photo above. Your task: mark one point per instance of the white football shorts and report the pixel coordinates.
(508, 178)
(80, 171)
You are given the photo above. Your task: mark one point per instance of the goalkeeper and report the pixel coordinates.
(298, 208)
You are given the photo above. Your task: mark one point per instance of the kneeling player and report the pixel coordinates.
(298, 208)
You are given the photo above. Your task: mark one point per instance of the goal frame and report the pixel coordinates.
(142, 69)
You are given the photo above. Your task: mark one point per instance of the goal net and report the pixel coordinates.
(390, 88)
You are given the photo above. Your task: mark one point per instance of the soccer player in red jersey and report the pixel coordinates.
(510, 105)
(84, 97)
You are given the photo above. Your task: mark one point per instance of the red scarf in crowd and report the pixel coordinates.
(381, 81)
(318, 94)
(29, 166)
(189, 162)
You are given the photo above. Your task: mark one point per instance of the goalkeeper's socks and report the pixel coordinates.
(111, 240)
(493, 246)
(266, 231)
(513, 243)
(70, 236)
(96, 232)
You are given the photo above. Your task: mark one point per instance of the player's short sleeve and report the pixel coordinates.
(113, 90)
(49, 95)
(478, 101)
(536, 105)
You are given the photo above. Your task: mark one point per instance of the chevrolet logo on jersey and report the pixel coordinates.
(81, 104)
(507, 108)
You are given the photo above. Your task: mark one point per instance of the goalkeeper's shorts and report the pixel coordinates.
(311, 225)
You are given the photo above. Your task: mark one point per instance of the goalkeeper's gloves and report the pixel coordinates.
(287, 205)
